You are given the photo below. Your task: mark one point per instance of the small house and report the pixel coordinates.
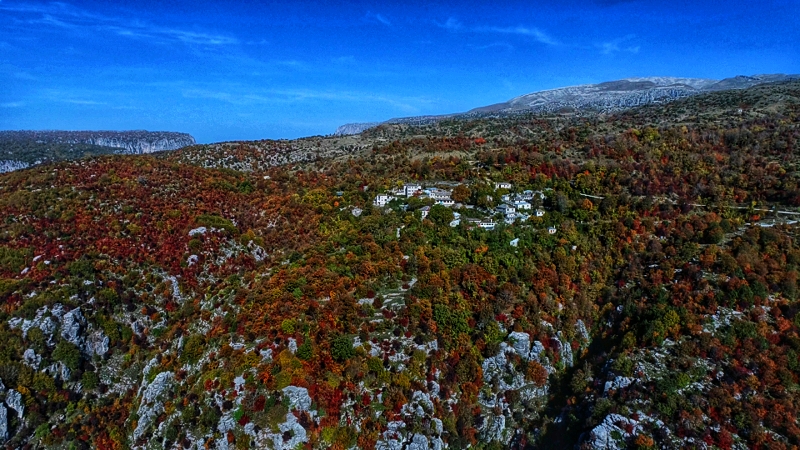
(382, 199)
(411, 189)
(514, 242)
(506, 209)
(552, 230)
(487, 224)
(522, 205)
(424, 211)
(539, 213)
(502, 185)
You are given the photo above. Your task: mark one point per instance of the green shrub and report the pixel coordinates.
(67, 353)
(90, 380)
(342, 348)
(305, 351)
(12, 259)
(212, 221)
(193, 348)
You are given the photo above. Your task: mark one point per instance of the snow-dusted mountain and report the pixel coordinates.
(610, 96)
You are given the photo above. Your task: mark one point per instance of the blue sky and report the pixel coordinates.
(256, 70)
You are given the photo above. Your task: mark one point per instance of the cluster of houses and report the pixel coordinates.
(518, 206)
(514, 207)
(440, 196)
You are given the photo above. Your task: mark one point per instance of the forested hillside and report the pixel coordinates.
(253, 295)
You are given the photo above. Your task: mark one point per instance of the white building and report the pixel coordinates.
(552, 230)
(382, 199)
(514, 242)
(456, 220)
(502, 185)
(424, 211)
(487, 224)
(539, 213)
(530, 195)
(446, 202)
(438, 194)
(411, 189)
(521, 204)
(506, 209)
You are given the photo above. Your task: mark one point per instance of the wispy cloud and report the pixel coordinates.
(493, 45)
(286, 96)
(616, 45)
(68, 17)
(454, 25)
(12, 105)
(374, 17)
(535, 33)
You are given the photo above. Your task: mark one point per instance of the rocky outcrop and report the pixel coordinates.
(3, 424)
(132, 142)
(298, 398)
(71, 325)
(14, 401)
(151, 402)
(31, 358)
(10, 165)
(354, 128)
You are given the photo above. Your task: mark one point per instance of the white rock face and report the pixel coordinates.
(292, 425)
(582, 331)
(602, 435)
(394, 439)
(151, 405)
(617, 383)
(3, 424)
(298, 398)
(71, 325)
(354, 128)
(14, 401)
(494, 429)
(198, 231)
(566, 350)
(47, 323)
(226, 423)
(31, 358)
(292, 345)
(10, 165)
(521, 343)
(97, 343)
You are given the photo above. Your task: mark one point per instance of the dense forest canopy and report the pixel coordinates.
(251, 294)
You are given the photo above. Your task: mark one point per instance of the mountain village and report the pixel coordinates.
(513, 208)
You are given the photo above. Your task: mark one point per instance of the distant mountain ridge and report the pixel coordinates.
(133, 142)
(606, 97)
(21, 149)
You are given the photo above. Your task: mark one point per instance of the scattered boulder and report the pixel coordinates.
(71, 325)
(97, 344)
(291, 427)
(298, 398)
(521, 343)
(31, 358)
(151, 405)
(3, 424)
(14, 401)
